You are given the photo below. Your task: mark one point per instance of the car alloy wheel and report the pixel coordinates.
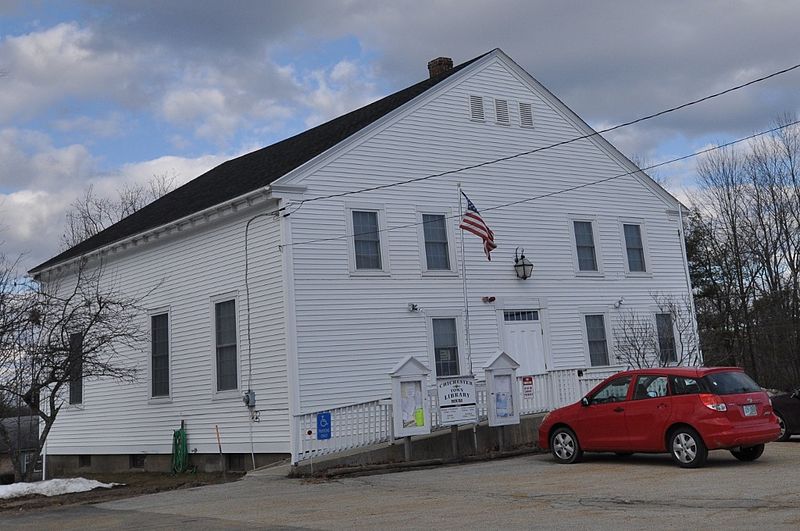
(687, 448)
(565, 447)
(784, 436)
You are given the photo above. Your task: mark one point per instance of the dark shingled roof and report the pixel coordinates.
(249, 172)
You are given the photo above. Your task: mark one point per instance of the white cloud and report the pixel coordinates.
(57, 63)
(104, 127)
(335, 91)
(31, 161)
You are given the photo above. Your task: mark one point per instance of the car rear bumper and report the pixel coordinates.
(730, 436)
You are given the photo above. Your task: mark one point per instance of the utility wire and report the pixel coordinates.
(301, 202)
(563, 190)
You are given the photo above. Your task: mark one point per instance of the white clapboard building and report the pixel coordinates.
(277, 272)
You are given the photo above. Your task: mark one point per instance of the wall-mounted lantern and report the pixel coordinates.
(410, 406)
(522, 266)
(501, 383)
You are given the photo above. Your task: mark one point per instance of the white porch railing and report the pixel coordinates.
(369, 423)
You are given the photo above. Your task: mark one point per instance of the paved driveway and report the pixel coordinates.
(637, 492)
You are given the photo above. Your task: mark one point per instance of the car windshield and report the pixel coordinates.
(730, 383)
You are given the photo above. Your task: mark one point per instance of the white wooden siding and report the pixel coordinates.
(187, 270)
(351, 331)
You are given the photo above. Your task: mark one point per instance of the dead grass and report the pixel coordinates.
(135, 484)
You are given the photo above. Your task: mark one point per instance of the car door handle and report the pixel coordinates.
(619, 409)
(662, 406)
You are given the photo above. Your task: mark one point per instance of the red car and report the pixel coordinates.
(681, 410)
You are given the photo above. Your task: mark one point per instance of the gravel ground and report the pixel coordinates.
(603, 492)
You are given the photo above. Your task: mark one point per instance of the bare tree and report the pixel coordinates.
(52, 338)
(638, 343)
(91, 213)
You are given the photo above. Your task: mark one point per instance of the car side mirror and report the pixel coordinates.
(584, 401)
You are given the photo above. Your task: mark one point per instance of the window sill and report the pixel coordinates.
(440, 273)
(228, 394)
(370, 273)
(79, 407)
(589, 274)
(155, 400)
(638, 274)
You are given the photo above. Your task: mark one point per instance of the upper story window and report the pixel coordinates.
(437, 250)
(584, 244)
(445, 346)
(75, 368)
(666, 338)
(159, 354)
(525, 115)
(501, 111)
(596, 336)
(476, 108)
(634, 247)
(366, 240)
(225, 340)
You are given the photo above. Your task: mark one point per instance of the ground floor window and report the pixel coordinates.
(596, 335)
(445, 346)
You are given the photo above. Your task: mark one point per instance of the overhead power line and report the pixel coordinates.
(301, 202)
(563, 190)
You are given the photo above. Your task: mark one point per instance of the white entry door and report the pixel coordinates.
(522, 340)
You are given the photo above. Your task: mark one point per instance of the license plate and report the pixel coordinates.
(750, 410)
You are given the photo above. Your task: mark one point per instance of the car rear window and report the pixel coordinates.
(730, 383)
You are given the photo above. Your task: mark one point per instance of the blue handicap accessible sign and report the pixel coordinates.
(324, 425)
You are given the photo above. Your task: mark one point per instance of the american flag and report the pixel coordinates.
(472, 222)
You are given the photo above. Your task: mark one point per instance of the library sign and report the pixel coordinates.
(457, 404)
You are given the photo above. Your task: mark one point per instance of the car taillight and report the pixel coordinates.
(713, 402)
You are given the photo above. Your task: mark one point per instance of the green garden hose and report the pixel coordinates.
(180, 452)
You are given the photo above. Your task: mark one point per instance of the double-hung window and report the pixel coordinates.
(225, 333)
(596, 336)
(367, 240)
(445, 346)
(159, 355)
(584, 244)
(75, 368)
(437, 250)
(666, 338)
(634, 247)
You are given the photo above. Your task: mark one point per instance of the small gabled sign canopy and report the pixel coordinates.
(501, 360)
(410, 366)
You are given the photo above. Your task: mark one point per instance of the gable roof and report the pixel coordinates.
(249, 172)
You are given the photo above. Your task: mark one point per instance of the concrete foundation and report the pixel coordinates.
(437, 445)
(72, 465)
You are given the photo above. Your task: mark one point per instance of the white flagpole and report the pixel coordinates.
(464, 281)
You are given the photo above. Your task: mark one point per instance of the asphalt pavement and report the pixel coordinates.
(603, 492)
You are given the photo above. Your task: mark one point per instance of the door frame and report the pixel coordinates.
(538, 304)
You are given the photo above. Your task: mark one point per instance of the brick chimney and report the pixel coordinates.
(440, 65)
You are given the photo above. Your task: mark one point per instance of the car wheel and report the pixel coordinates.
(564, 446)
(687, 448)
(785, 434)
(749, 453)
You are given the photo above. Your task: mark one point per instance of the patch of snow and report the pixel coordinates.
(52, 487)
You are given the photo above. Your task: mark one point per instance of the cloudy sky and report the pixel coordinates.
(108, 93)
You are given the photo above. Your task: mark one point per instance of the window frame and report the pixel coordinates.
(597, 248)
(646, 255)
(654, 375)
(585, 334)
(674, 339)
(214, 300)
(462, 353)
(628, 397)
(497, 120)
(451, 251)
(164, 310)
(70, 403)
(519, 109)
(383, 240)
(483, 107)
